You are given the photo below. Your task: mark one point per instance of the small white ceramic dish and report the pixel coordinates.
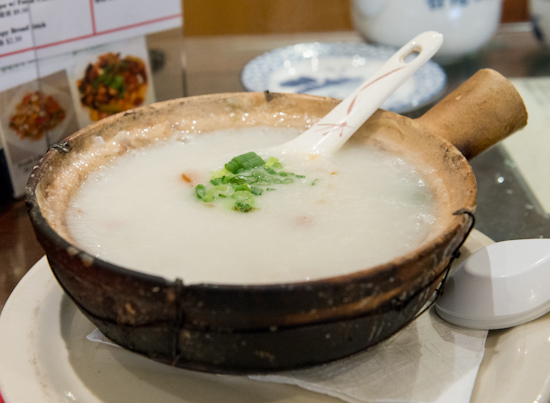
(335, 70)
(45, 357)
(502, 285)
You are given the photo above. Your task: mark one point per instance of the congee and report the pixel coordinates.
(166, 210)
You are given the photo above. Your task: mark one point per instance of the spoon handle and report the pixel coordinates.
(331, 132)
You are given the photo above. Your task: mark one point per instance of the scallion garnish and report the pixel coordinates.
(243, 179)
(271, 161)
(244, 162)
(243, 207)
(256, 191)
(200, 190)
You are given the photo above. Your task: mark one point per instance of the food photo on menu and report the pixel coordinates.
(74, 91)
(35, 114)
(32, 116)
(109, 79)
(113, 84)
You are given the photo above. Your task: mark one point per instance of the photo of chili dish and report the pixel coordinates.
(113, 84)
(35, 114)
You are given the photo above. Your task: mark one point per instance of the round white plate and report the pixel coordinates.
(45, 357)
(335, 69)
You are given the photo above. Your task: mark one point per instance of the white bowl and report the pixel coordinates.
(466, 25)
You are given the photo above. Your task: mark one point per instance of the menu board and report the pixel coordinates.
(67, 63)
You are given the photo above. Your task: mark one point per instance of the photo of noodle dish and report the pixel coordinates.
(112, 84)
(35, 114)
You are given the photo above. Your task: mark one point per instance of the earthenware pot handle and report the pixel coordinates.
(478, 114)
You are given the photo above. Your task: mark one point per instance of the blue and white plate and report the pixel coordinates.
(335, 69)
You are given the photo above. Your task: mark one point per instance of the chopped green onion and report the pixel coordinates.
(243, 195)
(243, 206)
(209, 196)
(252, 179)
(256, 191)
(243, 179)
(224, 190)
(243, 187)
(271, 161)
(244, 162)
(238, 180)
(200, 190)
(314, 182)
(221, 173)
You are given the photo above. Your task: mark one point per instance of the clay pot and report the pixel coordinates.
(259, 328)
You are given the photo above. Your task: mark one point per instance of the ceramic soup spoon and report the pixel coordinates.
(499, 286)
(331, 132)
(327, 135)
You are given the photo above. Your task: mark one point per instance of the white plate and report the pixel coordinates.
(335, 70)
(45, 357)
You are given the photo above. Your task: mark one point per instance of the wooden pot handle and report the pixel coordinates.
(484, 110)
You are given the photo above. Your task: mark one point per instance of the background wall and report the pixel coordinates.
(232, 17)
